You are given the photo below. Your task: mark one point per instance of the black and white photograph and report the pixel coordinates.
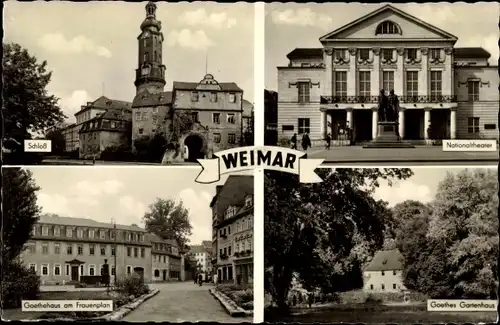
(384, 84)
(172, 250)
(114, 83)
(376, 246)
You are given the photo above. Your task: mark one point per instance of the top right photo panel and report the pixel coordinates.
(384, 84)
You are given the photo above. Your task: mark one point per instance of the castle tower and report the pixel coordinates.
(150, 74)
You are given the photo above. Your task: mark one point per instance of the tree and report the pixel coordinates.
(27, 106)
(58, 141)
(324, 232)
(169, 221)
(20, 211)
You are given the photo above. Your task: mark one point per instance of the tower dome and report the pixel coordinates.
(150, 20)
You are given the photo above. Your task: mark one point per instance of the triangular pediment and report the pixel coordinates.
(75, 261)
(366, 27)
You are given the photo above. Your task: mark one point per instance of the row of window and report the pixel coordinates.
(387, 54)
(241, 225)
(231, 210)
(195, 96)
(382, 286)
(83, 117)
(102, 249)
(160, 258)
(89, 136)
(172, 274)
(240, 246)
(143, 116)
(166, 248)
(56, 270)
(49, 230)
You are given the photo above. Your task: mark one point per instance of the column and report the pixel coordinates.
(427, 122)
(401, 122)
(453, 123)
(447, 73)
(423, 79)
(328, 78)
(323, 125)
(375, 78)
(351, 74)
(374, 123)
(349, 117)
(398, 75)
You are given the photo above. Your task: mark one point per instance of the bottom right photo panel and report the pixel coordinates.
(382, 245)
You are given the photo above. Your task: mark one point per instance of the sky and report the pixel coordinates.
(421, 186)
(290, 25)
(92, 47)
(125, 194)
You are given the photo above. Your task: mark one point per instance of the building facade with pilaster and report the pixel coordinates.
(445, 92)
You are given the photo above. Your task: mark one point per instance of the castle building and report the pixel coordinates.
(61, 250)
(206, 115)
(384, 273)
(448, 90)
(232, 234)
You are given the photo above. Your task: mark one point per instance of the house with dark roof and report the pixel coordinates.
(232, 234)
(384, 272)
(167, 262)
(445, 92)
(204, 116)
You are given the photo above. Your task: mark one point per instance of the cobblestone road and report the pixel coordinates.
(182, 302)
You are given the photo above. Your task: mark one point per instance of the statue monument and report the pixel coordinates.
(388, 123)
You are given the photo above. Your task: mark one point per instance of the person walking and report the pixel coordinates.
(200, 279)
(429, 135)
(328, 140)
(195, 278)
(306, 142)
(216, 278)
(294, 141)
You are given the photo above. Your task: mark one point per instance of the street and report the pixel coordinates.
(182, 302)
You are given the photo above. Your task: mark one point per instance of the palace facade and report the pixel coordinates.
(232, 234)
(62, 249)
(448, 90)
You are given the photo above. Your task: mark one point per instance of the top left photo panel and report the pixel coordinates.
(116, 83)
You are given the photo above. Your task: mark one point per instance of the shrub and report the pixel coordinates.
(332, 297)
(228, 288)
(372, 299)
(18, 283)
(117, 153)
(132, 286)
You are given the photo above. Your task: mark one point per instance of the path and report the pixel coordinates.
(182, 302)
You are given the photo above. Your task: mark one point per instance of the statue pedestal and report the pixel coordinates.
(388, 137)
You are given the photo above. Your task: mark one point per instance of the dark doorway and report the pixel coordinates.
(74, 272)
(338, 122)
(194, 144)
(229, 272)
(164, 275)
(414, 119)
(362, 124)
(440, 124)
(139, 271)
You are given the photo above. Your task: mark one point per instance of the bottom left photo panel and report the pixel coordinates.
(126, 243)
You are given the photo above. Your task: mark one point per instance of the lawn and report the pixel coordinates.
(379, 314)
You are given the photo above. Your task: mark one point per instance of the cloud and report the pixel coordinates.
(199, 216)
(436, 14)
(197, 40)
(301, 17)
(57, 43)
(55, 203)
(86, 188)
(201, 17)
(402, 191)
(72, 103)
(132, 211)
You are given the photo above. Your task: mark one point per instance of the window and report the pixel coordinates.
(304, 125)
(436, 85)
(339, 54)
(232, 98)
(57, 248)
(383, 273)
(364, 54)
(81, 270)
(412, 84)
(113, 251)
(67, 270)
(45, 248)
(69, 232)
(387, 54)
(394, 285)
(113, 234)
(387, 80)
(79, 233)
(164, 258)
(217, 137)
(304, 89)
(387, 27)
(129, 251)
(91, 233)
(57, 269)
(216, 118)
(341, 83)
(141, 237)
(57, 231)
(195, 117)
(129, 269)
(31, 248)
(138, 116)
(473, 90)
(435, 54)
(371, 286)
(411, 54)
(143, 252)
(364, 83)
(230, 118)
(102, 234)
(103, 250)
(91, 269)
(383, 286)
(91, 249)
(144, 116)
(473, 125)
(194, 96)
(80, 249)
(231, 138)
(113, 270)
(155, 110)
(45, 269)
(229, 251)
(101, 270)
(32, 267)
(69, 249)
(213, 97)
(136, 252)
(146, 56)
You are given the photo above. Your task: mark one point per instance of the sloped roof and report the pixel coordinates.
(146, 99)
(105, 102)
(225, 86)
(157, 239)
(386, 261)
(471, 53)
(394, 10)
(233, 192)
(197, 249)
(83, 222)
(305, 53)
(207, 244)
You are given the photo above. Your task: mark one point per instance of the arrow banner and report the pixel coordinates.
(247, 158)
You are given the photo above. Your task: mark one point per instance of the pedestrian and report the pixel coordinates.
(348, 134)
(429, 135)
(294, 141)
(306, 142)
(200, 279)
(216, 278)
(310, 300)
(328, 141)
(195, 278)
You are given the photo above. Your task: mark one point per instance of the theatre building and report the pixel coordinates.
(445, 92)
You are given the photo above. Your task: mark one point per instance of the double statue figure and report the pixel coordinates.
(388, 107)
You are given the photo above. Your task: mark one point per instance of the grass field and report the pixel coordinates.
(380, 314)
